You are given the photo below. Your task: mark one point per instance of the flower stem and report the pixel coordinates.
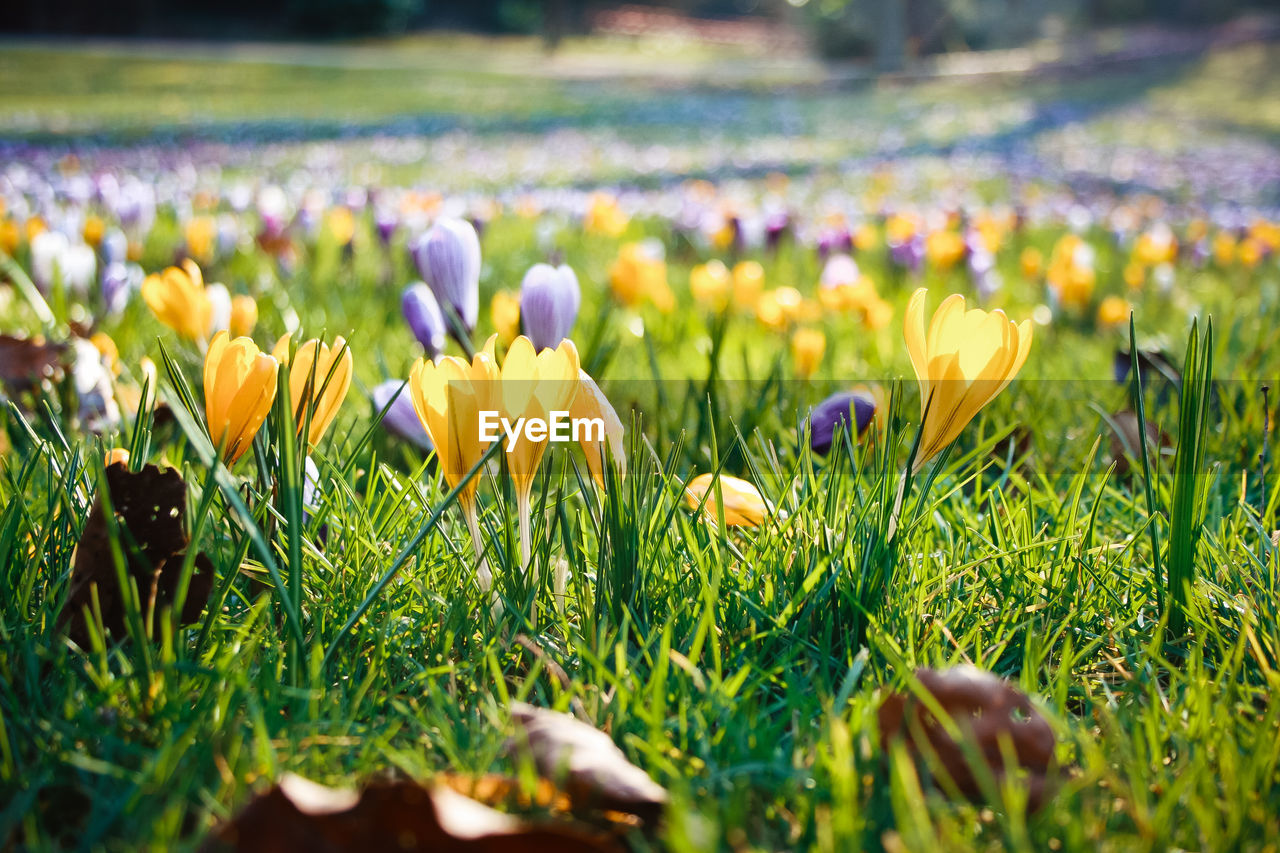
(483, 576)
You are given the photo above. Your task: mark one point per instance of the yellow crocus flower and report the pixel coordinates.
(504, 311)
(807, 348)
(239, 388)
(309, 373)
(244, 314)
(448, 397)
(962, 361)
(590, 403)
(535, 384)
(177, 297)
(744, 506)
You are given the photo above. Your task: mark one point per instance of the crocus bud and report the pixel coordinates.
(422, 313)
(549, 300)
(244, 315)
(400, 420)
(855, 408)
(448, 257)
(220, 299)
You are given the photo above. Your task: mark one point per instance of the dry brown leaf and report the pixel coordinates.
(1125, 443)
(26, 362)
(987, 711)
(150, 506)
(300, 815)
(586, 763)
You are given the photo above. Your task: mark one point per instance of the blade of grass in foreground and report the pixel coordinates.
(1184, 533)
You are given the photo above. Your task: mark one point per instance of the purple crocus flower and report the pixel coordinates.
(549, 301)
(116, 284)
(400, 420)
(422, 313)
(845, 407)
(448, 257)
(386, 222)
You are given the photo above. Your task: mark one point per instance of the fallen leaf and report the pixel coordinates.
(150, 506)
(986, 711)
(586, 763)
(1125, 444)
(300, 815)
(26, 362)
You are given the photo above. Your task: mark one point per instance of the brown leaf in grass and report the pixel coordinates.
(987, 712)
(1126, 446)
(300, 815)
(26, 362)
(150, 506)
(586, 763)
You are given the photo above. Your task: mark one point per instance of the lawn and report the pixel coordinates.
(1127, 586)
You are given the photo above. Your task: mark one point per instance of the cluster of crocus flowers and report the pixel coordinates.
(743, 504)
(239, 390)
(962, 360)
(844, 289)
(178, 298)
(455, 400)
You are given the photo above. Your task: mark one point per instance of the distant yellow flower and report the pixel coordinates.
(93, 230)
(744, 506)
(944, 249)
(748, 283)
(777, 308)
(1032, 262)
(244, 315)
(711, 284)
(807, 348)
(640, 273)
(239, 388)
(341, 224)
(605, 216)
(504, 311)
(177, 297)
(1113, 311)
(10, 236)
(200, 233)
(117, 456)
(590, 403)
(962, 361)
(1135, 275)
(319, 377)
(1224, 248)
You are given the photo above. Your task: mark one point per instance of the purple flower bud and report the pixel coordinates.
(448, 257)
(422, 313)
(400, 420)
(834, 412)
(115, 287)
(549, 301)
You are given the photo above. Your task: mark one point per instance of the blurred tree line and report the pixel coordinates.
(890, 30)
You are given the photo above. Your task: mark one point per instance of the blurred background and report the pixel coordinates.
(890, 32)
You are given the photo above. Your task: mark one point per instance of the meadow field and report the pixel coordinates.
(853, 565)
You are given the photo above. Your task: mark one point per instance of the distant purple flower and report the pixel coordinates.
(116, 281)
(400, 420)
(909, 254)
(775, 228)
(386, 223)
(549, 302)
(448, 257)
(834, 412)
(422, 313)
